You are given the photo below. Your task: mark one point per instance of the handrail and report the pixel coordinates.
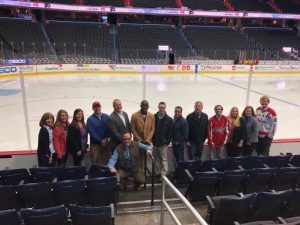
(164, 204)
(146, 169)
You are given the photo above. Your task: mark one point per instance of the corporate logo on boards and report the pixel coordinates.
(54, 67)
(8, 70)
(117, 67)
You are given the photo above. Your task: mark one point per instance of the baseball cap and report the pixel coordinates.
(96, 104)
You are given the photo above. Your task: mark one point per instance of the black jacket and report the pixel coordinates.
(163, 130)
(43, 150)
(180, 130)
(197, 127)
(238, 133)
(74, 140)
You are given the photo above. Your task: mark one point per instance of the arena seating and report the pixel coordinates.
(96, 192)
(274, 39)
(76, 39)
(59, 215)
(254, 5)
(141, 41)
(118, 3)
(154, 3)
(288, 6)
(205, 4)
(217, 42)
(32, 42)
(91, 215)
(247, 175)
(262, 206)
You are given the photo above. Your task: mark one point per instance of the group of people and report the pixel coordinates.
(111, 141)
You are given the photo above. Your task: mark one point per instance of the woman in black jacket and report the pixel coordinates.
(45, 151)
(237, 133)
(77, 137)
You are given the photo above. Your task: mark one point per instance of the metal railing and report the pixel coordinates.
(73, 52)
(151, 173)
(164, 204)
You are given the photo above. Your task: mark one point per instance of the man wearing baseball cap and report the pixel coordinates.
(97, 126)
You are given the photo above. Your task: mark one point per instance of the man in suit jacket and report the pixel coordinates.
(118, 124)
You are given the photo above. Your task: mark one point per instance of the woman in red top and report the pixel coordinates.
(60, 133)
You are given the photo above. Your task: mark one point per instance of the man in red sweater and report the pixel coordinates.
(218, 131)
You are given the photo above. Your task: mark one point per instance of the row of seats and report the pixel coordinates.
(96, 192)
(51, 174)
(235, 163)
(69, 40)
(59, 215)
(263, 206)
(242, 181)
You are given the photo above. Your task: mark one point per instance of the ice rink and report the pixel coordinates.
(71, 91)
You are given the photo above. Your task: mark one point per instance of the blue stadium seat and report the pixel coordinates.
(35, 195)
(203, 184)
(49, 216)
(14, 176)
(82, 215)
(8, 197)
(71, 173)
(293, 205)
(99, 171)
(255, 162)
(235, 163)
(70, 192)
(102, 191)
(10, 217)
(231, 182)
(180, 175)
(278, 161)
(224, 210)
(259, 179)
(286, 178)
(268, 205)
(295, 160)
(210, 165)
(43, 174)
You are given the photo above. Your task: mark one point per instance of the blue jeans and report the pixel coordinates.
(178, 151)
(195, 151)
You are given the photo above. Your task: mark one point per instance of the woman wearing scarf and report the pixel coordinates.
(45, 151)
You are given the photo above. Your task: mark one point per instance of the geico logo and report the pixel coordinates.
(4, 70)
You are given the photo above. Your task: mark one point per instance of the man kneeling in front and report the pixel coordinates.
(130, 156)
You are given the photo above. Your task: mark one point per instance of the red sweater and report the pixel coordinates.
(59, 141)
(218, 131)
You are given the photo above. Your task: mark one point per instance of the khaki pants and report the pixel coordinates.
(99, 154)
(160, 159)
(138, 176)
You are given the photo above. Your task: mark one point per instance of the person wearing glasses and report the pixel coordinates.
(129, 156)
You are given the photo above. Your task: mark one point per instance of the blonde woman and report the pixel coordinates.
(237, 133)
(60, 133)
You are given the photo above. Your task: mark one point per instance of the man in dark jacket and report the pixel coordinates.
(198, 122)
(161, 139)
(180, 134)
